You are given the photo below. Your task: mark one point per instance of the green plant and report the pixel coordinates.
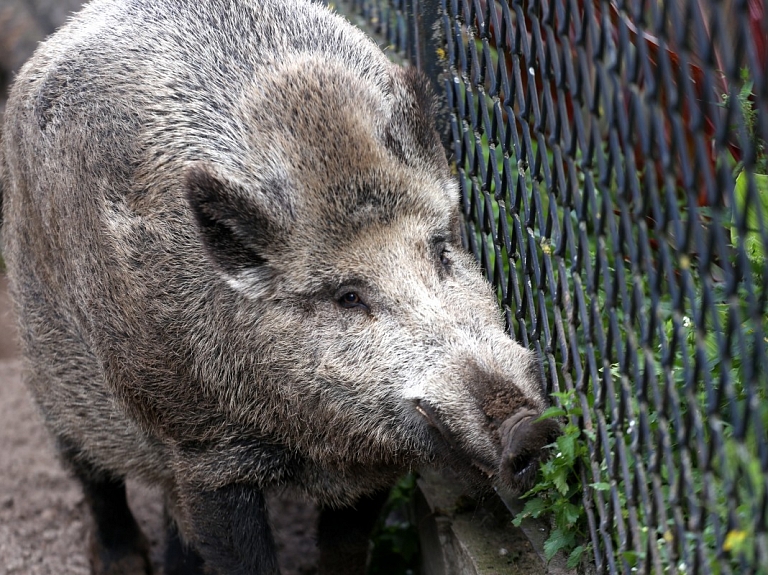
(558, 492)
(690, 488)
(749, 115)
(727, 494)
(754, 210)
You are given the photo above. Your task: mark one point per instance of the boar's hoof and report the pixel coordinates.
(124, 559)
(523, 439)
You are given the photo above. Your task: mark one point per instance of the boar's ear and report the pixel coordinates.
(236, 226)
(411, 135)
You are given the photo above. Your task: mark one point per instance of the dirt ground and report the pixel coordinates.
(43, 519)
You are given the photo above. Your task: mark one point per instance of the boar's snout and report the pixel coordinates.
(523, 439)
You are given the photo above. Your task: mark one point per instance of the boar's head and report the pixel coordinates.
(377, 343)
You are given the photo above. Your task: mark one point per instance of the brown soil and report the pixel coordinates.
(43, 521)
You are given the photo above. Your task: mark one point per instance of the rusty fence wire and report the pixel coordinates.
(613, 163)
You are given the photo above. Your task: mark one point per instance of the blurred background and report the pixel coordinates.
(23, 24)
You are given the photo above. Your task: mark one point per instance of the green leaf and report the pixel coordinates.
(573, 513)
(533, 508)
(552, 412)
(572, 429)
(575, 557)
(753, 241)
(543, 486)
(568, 514)
(557, 540)
(536, 507)
(561, 481)
(600, 486)
(548, 468)
(567, 446)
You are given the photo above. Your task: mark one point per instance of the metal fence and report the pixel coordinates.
(613, 163)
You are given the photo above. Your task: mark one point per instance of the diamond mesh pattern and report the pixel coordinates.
(612, 161)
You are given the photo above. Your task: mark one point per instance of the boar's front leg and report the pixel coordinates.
(343, 536)
(229, 529)
(180, 557)
(117, 545)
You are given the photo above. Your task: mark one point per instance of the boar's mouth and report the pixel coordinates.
(429, 413)
(522, 437)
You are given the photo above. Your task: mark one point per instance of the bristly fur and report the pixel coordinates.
(231, 235)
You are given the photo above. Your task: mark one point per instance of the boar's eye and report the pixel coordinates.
(445, 257)
(443, 251)
(350, 300)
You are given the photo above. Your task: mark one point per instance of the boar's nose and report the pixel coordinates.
(523, 439)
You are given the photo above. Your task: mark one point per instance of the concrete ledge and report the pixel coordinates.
(462, 536)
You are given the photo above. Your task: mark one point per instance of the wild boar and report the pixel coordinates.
(233, 241)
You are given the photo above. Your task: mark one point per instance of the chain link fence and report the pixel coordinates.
(614, 173)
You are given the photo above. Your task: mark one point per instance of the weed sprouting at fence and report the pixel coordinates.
(614, 173)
